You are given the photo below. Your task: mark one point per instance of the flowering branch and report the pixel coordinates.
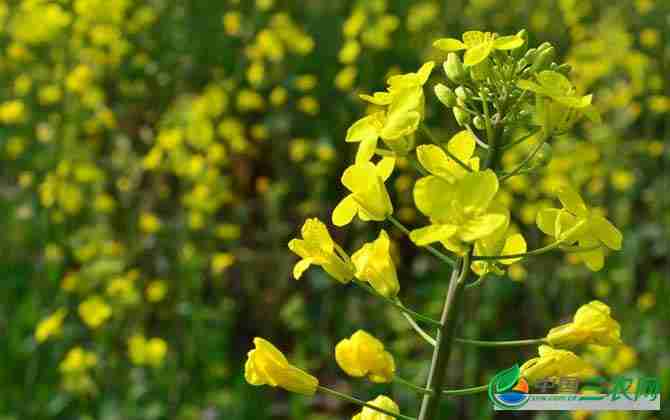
(509, 343)
(538, 251)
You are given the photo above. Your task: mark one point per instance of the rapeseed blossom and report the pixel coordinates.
(592, 324)
(553, 362)
(383, 402)
(374, 265)
(436, 161)
(266, 365)
(94, 311)
(503, 241)
(459, 212)
(50, 326)
(317, 247)
(479, 45)
(369, 198)
(575, 222)
(364, 355)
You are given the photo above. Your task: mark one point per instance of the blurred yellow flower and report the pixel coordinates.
(12, 112)
(364, 355)
(78, 360)
(221, 261)
(592, 324)
(374, 265)
(50, 326)
(149, 222)
(266, 365)
(94, 311)
(156, 291)
(147, 352)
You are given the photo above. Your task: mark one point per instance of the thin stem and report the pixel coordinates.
(361, 402)
(443, 257)
(476, 283)
(477, 140)
(538, 251)
(525, 162)
(397, 304)
(430, 340)
(521, 140)
(442, 351)
(509, 343)
(432, 138)
(452, 392)
(466, 391)
(410, 385)
(487, 121)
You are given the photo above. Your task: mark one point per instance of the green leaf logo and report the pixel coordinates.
(505, 380)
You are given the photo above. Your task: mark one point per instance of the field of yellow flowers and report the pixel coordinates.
(158, 156)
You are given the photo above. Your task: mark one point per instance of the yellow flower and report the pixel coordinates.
(156, 291)
(221, 261)
(404, 100)
(383, 402)
(577, 223)
(374, 264)
(149, 222)
(51, 326)
(12, 112)
(147, 352)
(317, 247)
(94, 311)
(503, 241)
(459, 212)
(78, 360)
(436, 161)
(369, 198)
(592, 324)
(478, 45)
(558, 104)
(364, 355)
(553, 362)
(266, 365)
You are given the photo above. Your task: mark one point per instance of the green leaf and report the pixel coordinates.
(505, 380)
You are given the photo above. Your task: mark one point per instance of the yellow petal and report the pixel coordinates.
(514, 244)
(572, 201)
(554, 82)
(462, 145)
(300, 267)
(472, 38)
(367, 128)
(385, 167)
(359, 177)
(449, 44)
(481, 226)
(432, 233)
(509, 42)
(606, 232)
(478, 53)
(546, 221)
(434, 160)
(366, 150)
(594, 260)
(400, 124)
(424, 72)
(345, 211)
(378, 98)
(433, 196)
(477, 189)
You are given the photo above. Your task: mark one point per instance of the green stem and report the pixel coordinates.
(361, 402)
(489, 129)
(442, 350)
(538, 251)
(444, 258)
(510, 343)
(453, 392)
(397, 304)
(527, 160)
(521, 140)
(430, 340)
(433, 139)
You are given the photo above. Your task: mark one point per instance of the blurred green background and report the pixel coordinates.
(157, 156)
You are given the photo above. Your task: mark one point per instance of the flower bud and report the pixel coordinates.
(454, 69)
(463, 93)
(564, 69)
(462, 117)
(479, 123)
(543, 59)
(445, 95)
(530, 55)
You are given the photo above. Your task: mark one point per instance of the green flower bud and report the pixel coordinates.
(479, 123)
(463, 93)
(462, 117)
(543, 59)
(564, 69)
(445, 95)
(543, 46)
(454, 69)
(530, 55)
